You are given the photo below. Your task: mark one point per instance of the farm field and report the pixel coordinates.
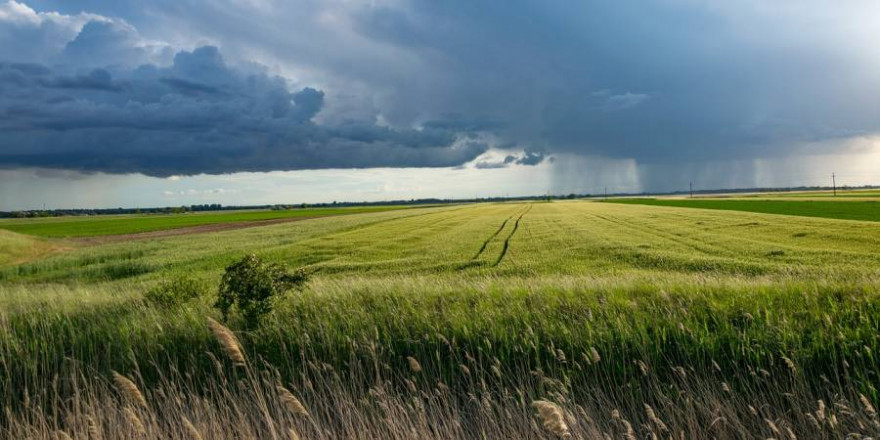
(842, 209)
(841, 194)
(68, 227)
(449, 322)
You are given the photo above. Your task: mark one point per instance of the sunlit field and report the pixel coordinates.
(844, 209)
(85, 226)
(573, 319)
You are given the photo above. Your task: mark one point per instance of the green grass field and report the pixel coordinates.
(844, 210)
(841, 193)
(699, 314)
(67, 227)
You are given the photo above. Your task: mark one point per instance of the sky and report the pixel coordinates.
(123, 103)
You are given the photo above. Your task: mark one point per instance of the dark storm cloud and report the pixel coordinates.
(198, 115)
(655, 81)
(97, 79)
(528, 158)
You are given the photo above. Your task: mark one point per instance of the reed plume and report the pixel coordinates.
(129, 389)
(134, 421)
(414, 364)
(292, 403)
(653, 417)
(190, 429)
(292, 435)
(228, 340)
(552, 418)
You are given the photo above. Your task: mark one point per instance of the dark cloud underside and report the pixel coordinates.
(419, 83)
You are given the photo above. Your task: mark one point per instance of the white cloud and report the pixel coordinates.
(30, 36)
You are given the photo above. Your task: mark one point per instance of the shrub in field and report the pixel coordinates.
(176, 291)
(252, 285)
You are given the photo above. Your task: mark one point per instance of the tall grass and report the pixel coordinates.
(373, 398)
(600, 321)
(485, 349)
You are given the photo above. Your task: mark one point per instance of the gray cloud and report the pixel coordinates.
(527, 158)
(657, 82)
(197, 115)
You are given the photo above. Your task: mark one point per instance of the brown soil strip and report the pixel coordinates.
(200, 229)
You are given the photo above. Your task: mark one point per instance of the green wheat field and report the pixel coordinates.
(536, 320)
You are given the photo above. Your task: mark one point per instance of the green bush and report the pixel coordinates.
(252, 286)
(174, 292)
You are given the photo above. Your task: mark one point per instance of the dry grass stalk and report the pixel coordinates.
(228, 340)
(94, 432)
(869, 408)
(653, 417)
(292, 403)
(134, 421)
(129, 389)
(292, 435)
(61, 435)
(414, 364)
(190, 429)
(629, 433)
(552, 418)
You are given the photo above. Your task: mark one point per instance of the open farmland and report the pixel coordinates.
(448, 322)
(67, 227)
(844, 209)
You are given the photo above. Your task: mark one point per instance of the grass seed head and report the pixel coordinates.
(292, 435)
(414, 364)
(292, 403)
(94, 431)
(552, 418)
(129, 389)
(228, 340)
(190, 429)
(869, 408)
(653, 417)
(134, 421)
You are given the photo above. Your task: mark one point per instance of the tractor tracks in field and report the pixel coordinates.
(491, 237)
(506, 246)
(474, 261)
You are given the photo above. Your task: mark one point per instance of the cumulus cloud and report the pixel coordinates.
(26, 35)
(197, 115)
(527, 158)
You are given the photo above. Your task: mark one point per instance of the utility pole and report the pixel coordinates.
(692, 189)
(834, 184)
